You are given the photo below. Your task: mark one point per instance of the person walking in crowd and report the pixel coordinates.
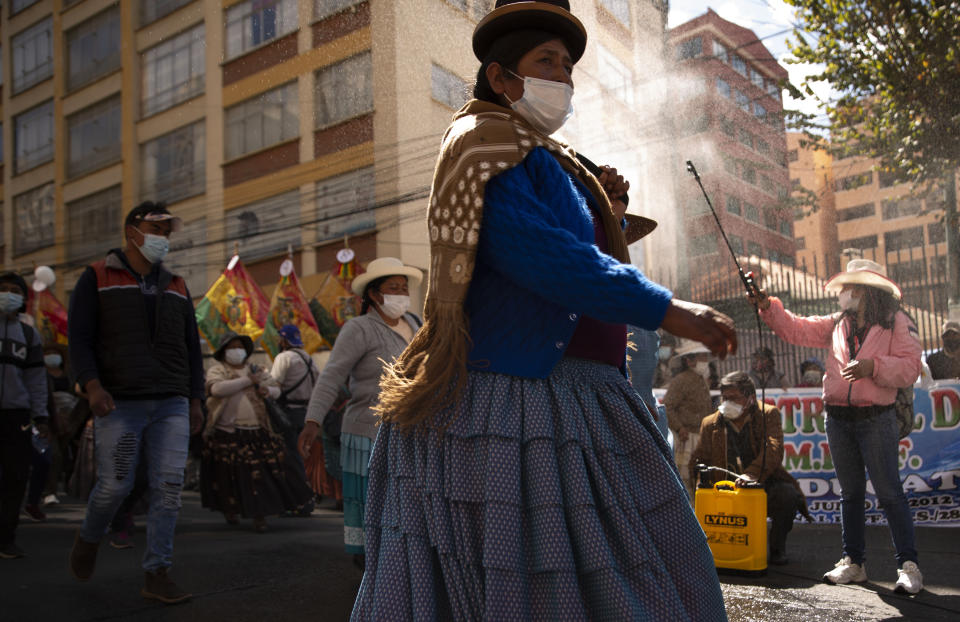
(296, 373)
(687, 402)
(63, 400)
(811, 373)
(642, 363)
(945, 363)
(365, 344)
(246, 469)
(23, 406)
(735, 438)
(665, 354)
(518, 475)
(873, 350)
(764, 372)
(135, 351)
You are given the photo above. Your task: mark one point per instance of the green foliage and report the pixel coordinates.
(896, 65)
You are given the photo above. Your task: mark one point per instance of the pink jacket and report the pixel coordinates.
(895, 354)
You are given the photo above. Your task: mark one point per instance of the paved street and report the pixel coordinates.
(297, 571)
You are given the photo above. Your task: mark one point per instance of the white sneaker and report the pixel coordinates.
(845, 571)
(909, 579)
(51, 499)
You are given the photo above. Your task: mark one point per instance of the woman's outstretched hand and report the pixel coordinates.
(701, 323)
(760, 300)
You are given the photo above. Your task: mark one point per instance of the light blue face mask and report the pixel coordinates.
(155, 247)
(10, 302)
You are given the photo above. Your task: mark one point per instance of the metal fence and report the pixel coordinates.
(921, 276)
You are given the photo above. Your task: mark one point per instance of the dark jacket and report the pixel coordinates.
(138, 335)
(23, 377)
(712, 448)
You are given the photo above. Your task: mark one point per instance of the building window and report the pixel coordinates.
(1, 66)
(754, 249)
(867, 241)
(448, 88)
(173, 166)
(723, 87)
(254, 22)
(908, 271)
(898, 208)
(619, 9)
(857, 211)
(345, 204)
(886, 179)
(733, 205)
(691, 48)
(736, 242)
(93, 48)
(786, 228)
(264, 228)
(755, 77)
(746, 137)
(729, 165)
(344, 90)
(853, 181)
(152, 10)
(326, 8)
(93, 137)
(33, 137)
(703, 245)
(33, 220)
(742, 100)
(759, 111)
(793, 155)
(751, 212)
(262, 121)
(738, 64)
(749, 175)
(763, 146)
(93, 224)
(174, 71)
(727, 127)
(18, 5)
(188, 255)
(773, 255)
(801, 243)
(614, 76)
(721, 52)
(936, 233)
(773, 89)
(32, 55)
(769, 219)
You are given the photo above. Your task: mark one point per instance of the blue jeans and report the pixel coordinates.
(162, 429)
(870, 443)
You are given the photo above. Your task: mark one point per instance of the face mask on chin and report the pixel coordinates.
(545, 104)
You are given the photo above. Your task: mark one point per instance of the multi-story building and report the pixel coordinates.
(267, 125)
(815, 224)
(727, 115)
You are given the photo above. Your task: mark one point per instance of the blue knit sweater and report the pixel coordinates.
(538, 271)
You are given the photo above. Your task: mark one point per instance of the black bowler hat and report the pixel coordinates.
(552, 16)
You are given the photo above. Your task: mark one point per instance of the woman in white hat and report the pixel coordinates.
(873, 349)
(365, 344)
(687, 401)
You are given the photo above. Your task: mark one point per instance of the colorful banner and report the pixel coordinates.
(332, 306)
(929, 456)
(50, 315)
(289, 306)
(234, 302)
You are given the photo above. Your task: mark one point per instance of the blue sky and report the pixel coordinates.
(768, 18)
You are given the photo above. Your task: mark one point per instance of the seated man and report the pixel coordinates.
(732, 438)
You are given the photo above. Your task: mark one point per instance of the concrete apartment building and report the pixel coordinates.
(264, 124)
(815, 224)
(729, 122)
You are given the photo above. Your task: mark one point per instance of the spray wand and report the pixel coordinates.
(749, 282)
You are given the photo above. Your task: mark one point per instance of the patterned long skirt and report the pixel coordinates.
(354, 457)
(544, 499)
(249, 472)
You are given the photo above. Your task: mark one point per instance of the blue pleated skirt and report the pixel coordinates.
(544, 499)
(354, 456)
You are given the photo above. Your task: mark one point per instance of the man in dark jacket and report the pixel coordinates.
(732, 438)
(23, 398)
(945, 363)
(135, 350)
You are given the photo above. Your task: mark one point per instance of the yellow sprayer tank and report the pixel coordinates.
(735, 521)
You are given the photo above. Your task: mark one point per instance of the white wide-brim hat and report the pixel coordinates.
(690, 346)
(863, 272)
(384, 266)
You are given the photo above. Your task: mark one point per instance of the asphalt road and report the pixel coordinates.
(298, 571)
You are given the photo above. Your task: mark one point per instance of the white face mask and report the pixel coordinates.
(703, 368)
(545, 104)
(395, 306)
(235, 356)
(812, 377)
(730, 410)
(847, 301)
(664, 353)
(52, 360)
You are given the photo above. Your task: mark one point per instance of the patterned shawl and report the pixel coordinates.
(483, 140)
